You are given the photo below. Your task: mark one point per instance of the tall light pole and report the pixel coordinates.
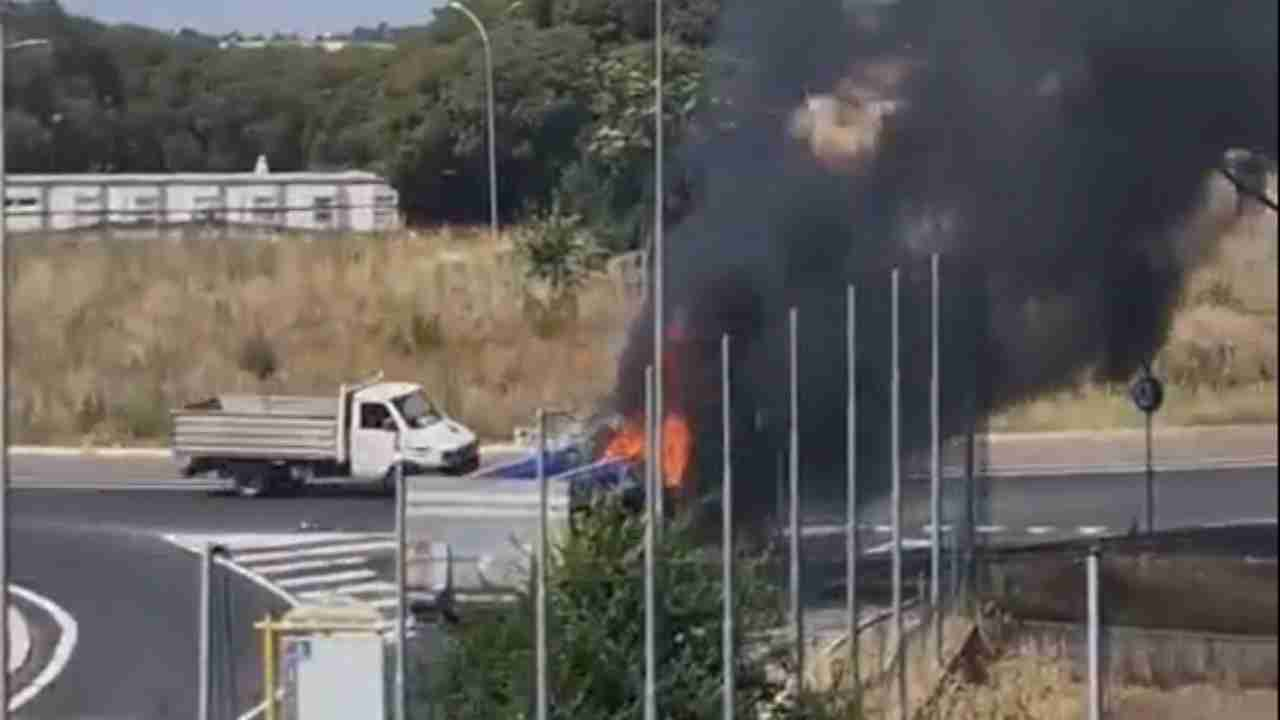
(658, 261)
(4, 385)
(493, 160)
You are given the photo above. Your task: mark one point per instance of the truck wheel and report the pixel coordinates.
(295, 477)
(253, 481)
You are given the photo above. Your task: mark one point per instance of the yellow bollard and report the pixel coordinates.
(269, 666)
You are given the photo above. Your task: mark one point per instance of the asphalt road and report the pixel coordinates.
(134, 599)
(91, 536)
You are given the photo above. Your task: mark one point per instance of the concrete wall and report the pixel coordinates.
(1158, 658)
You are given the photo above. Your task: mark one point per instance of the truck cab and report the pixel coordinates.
(390, 418)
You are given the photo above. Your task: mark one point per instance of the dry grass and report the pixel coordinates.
(109, 335)
(1029, 688)
(829, 676)
(1097, 407)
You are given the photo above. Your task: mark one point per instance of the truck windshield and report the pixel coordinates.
(417, 410)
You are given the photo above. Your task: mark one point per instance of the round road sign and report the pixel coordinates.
(1147, 394)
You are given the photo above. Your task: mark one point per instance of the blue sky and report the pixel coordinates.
(305, 16)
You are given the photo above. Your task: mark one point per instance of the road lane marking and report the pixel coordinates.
(992, 529)
(327, 579)
(1091, 529)
(343, 549)
(447, 497)
(445, 511)
(285, 568)
(485, 598)
(377, 586)
(68, 634)
(236, 542)
(168, 486)
(1042, 529)
(907, 544)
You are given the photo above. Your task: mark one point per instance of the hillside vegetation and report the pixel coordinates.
(571, 105)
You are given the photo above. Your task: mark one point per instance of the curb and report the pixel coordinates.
(19, 640)
(1013, 437)
(156, 453)
(63, 451)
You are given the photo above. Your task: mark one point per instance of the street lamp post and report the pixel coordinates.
(4, 387)
(493, 161)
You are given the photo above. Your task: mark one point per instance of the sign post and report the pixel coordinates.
(1148, 394)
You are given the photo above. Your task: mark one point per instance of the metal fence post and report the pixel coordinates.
(935, 464)
(895, 443)
(208, 557)
(797, 609)
(652, 501)
(1095, 635)
(726, 512)
(402, 606)
(204, 694)
(542, 567)
(1151, 478)
(851, 538)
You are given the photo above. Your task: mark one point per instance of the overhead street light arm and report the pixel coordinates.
(475, 20)
(33, 42)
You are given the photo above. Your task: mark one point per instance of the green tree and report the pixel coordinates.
(596, 633)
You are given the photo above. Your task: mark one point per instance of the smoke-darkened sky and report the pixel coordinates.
(1051, 151)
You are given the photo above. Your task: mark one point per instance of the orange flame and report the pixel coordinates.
(629, 444)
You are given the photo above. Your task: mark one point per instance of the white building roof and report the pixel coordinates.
(239, 178)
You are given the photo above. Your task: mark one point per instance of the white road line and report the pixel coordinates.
(991, 529)
(238, 542)
(1042, 529)
(445, 511)
(343, 549)
(907, 544)
(419, 497)
(121, 486)
(1242, 522)
(283, 568)
(327, 579)
(1091, 530)
(379, 586)
(388, 603)
(19, 640)
(68, 634)
(884, 528)
(255, 712)
(479, 598)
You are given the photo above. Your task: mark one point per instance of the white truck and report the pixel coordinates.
(275, 443)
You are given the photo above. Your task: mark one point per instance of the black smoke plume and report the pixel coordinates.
(1051, 151)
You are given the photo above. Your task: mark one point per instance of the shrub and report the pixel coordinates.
(558, 252)
(258, 356)
(596, 633)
